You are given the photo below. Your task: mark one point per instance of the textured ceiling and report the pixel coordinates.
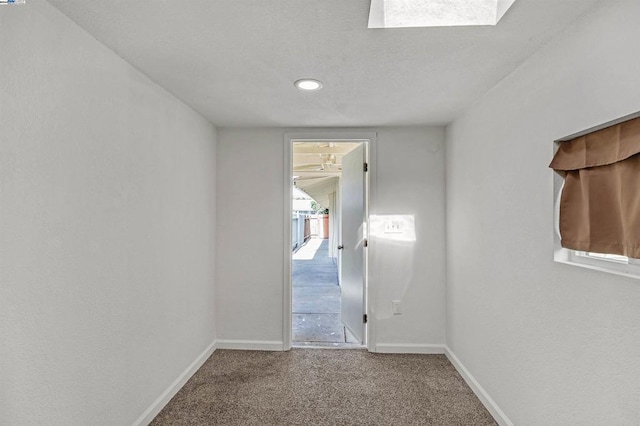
(235, 61)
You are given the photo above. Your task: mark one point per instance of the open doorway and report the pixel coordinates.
(329, 243)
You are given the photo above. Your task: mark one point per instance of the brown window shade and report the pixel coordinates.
(600, 201)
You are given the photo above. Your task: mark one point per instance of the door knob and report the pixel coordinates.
(340, 247)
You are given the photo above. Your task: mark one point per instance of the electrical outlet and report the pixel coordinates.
(393, 227)
(396, 307)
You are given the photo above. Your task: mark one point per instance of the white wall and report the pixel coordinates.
(249, 264)
(107, 228)
(552, 344)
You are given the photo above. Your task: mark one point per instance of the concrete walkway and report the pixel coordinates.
(316, 298)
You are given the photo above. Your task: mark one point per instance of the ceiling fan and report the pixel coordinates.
(327, 162)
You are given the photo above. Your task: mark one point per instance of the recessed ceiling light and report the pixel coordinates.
(308, 84)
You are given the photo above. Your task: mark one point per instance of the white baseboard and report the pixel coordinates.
(409, 348)
(482, 394)
(250, 345)
(157, 405)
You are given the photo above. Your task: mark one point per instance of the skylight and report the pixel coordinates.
(436, 13)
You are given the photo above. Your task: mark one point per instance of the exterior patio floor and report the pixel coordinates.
(316, 299)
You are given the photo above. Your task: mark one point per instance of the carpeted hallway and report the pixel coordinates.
(324, 387)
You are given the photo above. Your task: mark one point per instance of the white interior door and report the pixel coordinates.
(352, 242)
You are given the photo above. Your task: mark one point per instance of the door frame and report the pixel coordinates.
(370, 138)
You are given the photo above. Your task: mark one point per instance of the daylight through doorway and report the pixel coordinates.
(318, 316)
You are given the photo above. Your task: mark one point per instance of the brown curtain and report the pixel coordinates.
(600, 202)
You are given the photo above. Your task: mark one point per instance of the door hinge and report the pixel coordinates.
(366, 167)
(366, 243)
(364, 318)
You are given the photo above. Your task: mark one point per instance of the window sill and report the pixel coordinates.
(569, 257)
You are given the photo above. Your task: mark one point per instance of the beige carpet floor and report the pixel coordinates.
(324, 387)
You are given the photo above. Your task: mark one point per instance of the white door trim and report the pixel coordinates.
(335, 136)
